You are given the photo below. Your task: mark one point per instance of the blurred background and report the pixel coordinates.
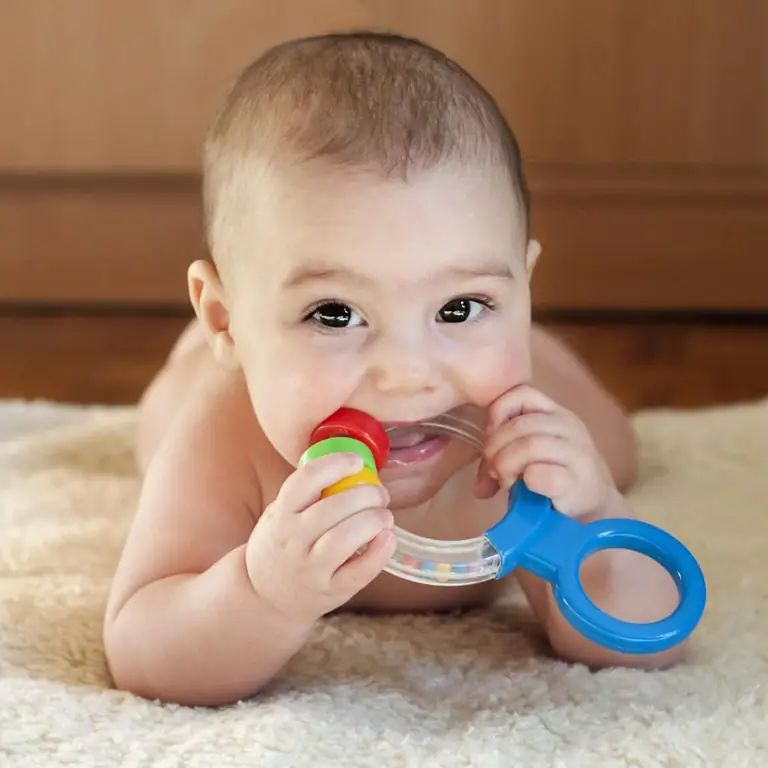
(644, 127)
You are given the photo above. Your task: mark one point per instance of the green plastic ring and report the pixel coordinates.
(340, 445)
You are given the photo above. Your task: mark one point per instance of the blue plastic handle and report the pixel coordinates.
(537, 538)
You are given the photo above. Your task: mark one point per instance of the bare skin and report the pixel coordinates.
(170, 412)
(226, 569)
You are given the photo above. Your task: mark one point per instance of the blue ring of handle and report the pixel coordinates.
(625, 636)
(537, 538)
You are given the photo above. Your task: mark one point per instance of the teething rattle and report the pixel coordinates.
(351, 431)
(532, 535)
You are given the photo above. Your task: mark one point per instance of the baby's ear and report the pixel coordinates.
(211, 305)
(532, 254)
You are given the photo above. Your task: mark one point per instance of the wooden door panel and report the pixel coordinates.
(644, 127)
(95, 86)
(611, 240)
(98, 240)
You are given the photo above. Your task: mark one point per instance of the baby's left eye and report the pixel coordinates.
(461, 310)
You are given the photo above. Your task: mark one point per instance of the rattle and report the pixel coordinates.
(532, 535)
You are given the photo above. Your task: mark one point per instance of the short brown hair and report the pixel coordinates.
(361, 100)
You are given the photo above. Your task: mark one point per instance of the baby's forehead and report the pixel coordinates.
(367, 230)
(315, 194)
(378, 102)
(444, 204)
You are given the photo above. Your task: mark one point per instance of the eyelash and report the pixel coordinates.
(318, 325)
(486, 301)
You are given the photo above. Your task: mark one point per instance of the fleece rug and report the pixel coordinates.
(460, 690)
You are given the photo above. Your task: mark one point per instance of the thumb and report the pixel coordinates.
(487, 482)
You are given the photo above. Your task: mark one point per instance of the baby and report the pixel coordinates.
(368, 224)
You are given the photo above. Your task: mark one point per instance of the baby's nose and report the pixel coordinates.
(404, 364)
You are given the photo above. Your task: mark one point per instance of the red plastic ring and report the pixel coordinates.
(349, 422)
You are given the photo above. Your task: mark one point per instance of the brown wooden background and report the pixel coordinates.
(644, 125)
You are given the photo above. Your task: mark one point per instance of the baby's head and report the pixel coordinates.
(367, 217)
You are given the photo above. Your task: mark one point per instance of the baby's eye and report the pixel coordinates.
(334, 314)
(461, 310)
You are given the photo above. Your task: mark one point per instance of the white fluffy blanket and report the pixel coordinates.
(476, 690)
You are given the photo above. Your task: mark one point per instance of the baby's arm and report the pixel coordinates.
(625, 585)
(558, 453)
(183, 622)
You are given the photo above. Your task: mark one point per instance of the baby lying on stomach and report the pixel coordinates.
(368, 224)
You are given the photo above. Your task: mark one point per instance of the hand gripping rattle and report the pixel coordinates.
(532, 535)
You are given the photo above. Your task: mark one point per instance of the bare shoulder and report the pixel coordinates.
(200, 495)
(560, 374)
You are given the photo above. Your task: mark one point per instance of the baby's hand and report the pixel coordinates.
(533, 438)
(301, 557)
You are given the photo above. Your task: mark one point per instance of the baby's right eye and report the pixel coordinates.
(335, 314)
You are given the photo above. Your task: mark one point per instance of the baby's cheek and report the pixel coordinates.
(290, 404)
(496, 371)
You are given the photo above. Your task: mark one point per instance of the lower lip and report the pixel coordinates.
(417, 454)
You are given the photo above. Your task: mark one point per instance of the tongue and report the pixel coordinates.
(407, 440)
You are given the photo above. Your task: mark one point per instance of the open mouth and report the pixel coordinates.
(413, 444)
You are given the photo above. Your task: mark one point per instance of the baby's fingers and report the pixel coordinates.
(339, 543)
(361, 569)
(521, 400)
(304, 486)
(328, 513)
(550, 480)
(560, 424)
(487, 482)
(511, 461)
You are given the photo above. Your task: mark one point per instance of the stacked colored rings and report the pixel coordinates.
(368, 474)
(350, 431)
(347, 422)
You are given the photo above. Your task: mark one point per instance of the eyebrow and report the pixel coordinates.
(309, 273)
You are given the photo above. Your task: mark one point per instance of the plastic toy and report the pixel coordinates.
(352, 431)
(532, 535)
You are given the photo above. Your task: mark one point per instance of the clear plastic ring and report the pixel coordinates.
(436, 561)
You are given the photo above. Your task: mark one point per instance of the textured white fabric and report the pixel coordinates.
(472, 690)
